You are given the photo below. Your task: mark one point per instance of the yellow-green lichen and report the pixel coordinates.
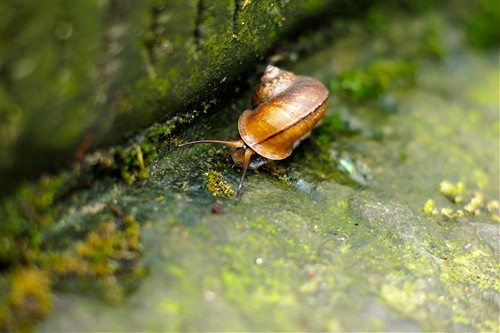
(475, 203)
(111, 250)
(105, 247)
(429, 207)
(217, 186)
(25, 215)
(465, 269)
(27, 299)
(452, 191)
(464, 204)
(34, 263)
(493, 207)
(277, 170)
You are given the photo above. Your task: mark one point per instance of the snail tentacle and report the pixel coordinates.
(230, 143)
(246, 161)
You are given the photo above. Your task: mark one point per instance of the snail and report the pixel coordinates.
(286, 107)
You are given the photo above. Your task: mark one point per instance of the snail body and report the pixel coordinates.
(286, 107)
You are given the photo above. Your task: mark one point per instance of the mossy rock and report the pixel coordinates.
(88, 74)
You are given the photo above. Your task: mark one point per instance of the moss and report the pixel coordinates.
(330, 127)
(108, 254)
(274, 290)
(452, 192)
(462, 270)
(134, 160)
(482, 25)
(493, 207)
(327, 156)
(98, 248)
(405, 294)
(416, 7)
(429, 207)
(105, 254)
(217, 186)
(25, 216)
(34, 263)
(277, 170)
(465, 203)
(475, 204)
(374, 81)
(28, 299)
(147, 141)
(130, 161)
(376, 18)
(432, 44)
(101, 252)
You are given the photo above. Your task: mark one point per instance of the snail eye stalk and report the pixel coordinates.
(246, 161)
(231, 143)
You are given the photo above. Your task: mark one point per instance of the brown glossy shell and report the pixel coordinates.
(286, 108)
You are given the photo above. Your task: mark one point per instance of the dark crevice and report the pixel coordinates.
(152, 40)
(236, 14)
(200, 18)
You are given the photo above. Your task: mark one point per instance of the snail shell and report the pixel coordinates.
(286, 107)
